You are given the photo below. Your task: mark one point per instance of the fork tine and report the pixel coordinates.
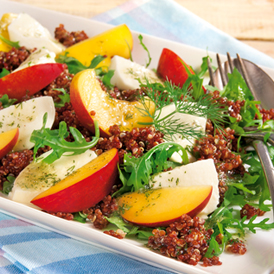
(221, 70)
(245, 75)
(210, 70)
(230, 62)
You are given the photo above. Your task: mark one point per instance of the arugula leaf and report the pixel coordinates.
(56, 140)
(75, 66)
(4, 72)
(267, 125)
(6, 102)
(65, 98)
(225, 219)
(106, 79)
(146, 49)
(204, 66)
(8, 184)
(119, 222)
(254, 168)
(137, 171)
(129, 229)
(80, 217)
(236, 88)
(10, 43)
(248, 113)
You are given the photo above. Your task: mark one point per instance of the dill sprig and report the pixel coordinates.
(165, 94)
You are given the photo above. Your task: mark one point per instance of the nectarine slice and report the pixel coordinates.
(5, 21)
(29, 80)
(162, 206)
(83, 188)
(91, 103)
(115, 41)
(8, 140)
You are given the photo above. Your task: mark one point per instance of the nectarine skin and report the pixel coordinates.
(8, 140)
(29, 80)
(163, 206)
(172, 68)
(83, 188)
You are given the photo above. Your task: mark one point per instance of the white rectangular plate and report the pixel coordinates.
(259, 257)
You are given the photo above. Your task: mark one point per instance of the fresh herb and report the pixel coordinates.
(236, 88)
(56, 140)
(136, 172)
(165, 94)
(64, 98)
(129, 229)
(6, 101)
(194, 84)
(130, 53)
(146, 49)
(204, 66)
(75, 66)
(4, 73)
(223, 221)
(106, 78)
(8, 184)
(10, 43)
(80, 217)
(250, 189)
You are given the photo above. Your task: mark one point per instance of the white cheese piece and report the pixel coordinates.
(27, 116)
(127, 72)
(197, 122)
(194, 174)
(38, 176)
(31, 34)
(40, 56)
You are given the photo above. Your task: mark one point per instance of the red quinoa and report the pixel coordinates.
(11, 60)
(69, 38)
(249, 211)
(185, 240)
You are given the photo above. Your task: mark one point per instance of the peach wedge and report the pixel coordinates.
(8, 140)
(162, 206)
(91, 102)
(115, 41)
(83, 188)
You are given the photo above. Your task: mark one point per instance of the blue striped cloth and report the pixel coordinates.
(167, 19)
(26, 248)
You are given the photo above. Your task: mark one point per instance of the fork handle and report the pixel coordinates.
(267, 165)
(260, 136)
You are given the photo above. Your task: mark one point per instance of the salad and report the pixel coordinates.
(104, 140)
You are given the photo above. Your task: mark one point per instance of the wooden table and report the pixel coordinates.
(251, 21)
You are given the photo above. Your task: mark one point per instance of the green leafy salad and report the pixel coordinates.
(229, 112)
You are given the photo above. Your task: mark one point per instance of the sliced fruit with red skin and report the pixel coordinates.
(163, 206)
(83, 188)
(91, 102)
(172, 68)
(29, 80)
(8, 140)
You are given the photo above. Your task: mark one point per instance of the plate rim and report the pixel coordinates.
(5, 202)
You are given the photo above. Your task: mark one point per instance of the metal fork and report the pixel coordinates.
(258, 145)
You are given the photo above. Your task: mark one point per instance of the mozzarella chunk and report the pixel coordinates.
(40, 56)
(31, 34)
(27, 116)
(197, 122)
(39, 176)
(194, 174)
(127, 72)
